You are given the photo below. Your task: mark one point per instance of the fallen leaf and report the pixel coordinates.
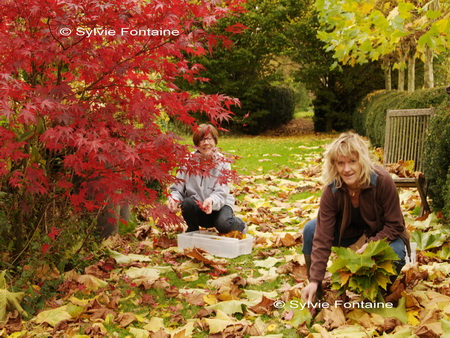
(125, 319)
(53, 316)
(265, 306)
(155, 324)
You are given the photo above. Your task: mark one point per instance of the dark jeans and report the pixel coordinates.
(223, 220)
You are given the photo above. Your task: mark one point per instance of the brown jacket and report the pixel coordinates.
(380, 209)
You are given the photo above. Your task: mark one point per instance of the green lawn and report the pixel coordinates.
(260, 154)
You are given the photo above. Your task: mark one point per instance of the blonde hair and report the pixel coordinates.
(347, 144)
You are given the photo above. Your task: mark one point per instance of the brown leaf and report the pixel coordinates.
(288, 240)
(265, 306)
(390, 324)
(334, 317)
(163, 241)
(396, 290)
(433, 330)
(194, 299)
(239, 281)
(204, 313)
(198, 254)
(125, 319)
(13, 322)
(268, 253)
(101, 313)
(161, 283)
(234, 234)
(159, 334)
(299, 273)
(45, 272)
(171, 292)
(260, 240)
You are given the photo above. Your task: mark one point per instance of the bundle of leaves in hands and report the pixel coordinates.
(363, 273)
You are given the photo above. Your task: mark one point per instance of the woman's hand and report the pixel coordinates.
(174, 205)
(207, 205)
(309, 292)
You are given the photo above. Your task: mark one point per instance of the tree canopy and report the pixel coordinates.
(85, 90)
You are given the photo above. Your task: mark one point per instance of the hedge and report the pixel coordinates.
(370, 120)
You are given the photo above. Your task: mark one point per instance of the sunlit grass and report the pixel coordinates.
(259, 155)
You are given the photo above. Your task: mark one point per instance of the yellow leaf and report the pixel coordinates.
(366, 8)
(413, 317)
(344, 277)
(53, 316)
(81, 302)
(109, 318)
(138, 333)
(155, 324)
(229, 307)
(388, 266)
(219, 323)
(272, 327)
(382, 280)
(91, 283)
(210, 299)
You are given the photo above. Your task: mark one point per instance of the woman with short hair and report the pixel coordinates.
(204, 194)
(360, 200)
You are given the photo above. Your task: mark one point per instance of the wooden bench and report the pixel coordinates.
(404, 140)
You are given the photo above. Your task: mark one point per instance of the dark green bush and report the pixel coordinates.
(277, 108)
(370, 120)
(437, 159)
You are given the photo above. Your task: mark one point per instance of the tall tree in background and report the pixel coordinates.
(395, 32)
(85, 89)
(336, 90)
(246, 70)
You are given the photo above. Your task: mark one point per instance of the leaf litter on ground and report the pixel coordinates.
(145, 287)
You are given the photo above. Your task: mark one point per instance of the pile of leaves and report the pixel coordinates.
(403, 169)
(363, 273)
(140, 285)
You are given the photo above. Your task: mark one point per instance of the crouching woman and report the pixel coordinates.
(359, 199)
(204, 195)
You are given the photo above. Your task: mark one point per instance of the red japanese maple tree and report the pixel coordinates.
(86, 90)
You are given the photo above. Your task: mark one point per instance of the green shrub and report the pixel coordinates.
(277, 108)
(369, 119)
(437, 159)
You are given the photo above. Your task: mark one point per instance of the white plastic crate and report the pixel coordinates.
(214, 244)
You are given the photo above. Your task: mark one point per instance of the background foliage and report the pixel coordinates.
(82, 117)
(370, 120)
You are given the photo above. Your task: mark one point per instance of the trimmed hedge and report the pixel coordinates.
(370, 120)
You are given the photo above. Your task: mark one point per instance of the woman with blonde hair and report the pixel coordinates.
(359, 202)
(204, 195)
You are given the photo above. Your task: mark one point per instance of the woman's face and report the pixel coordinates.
(349, 169)
(207, 145)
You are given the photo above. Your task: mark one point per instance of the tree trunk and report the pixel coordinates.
(401, 79)
(387, 76)
(411, 72)
(428, 69)
(428, 76)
